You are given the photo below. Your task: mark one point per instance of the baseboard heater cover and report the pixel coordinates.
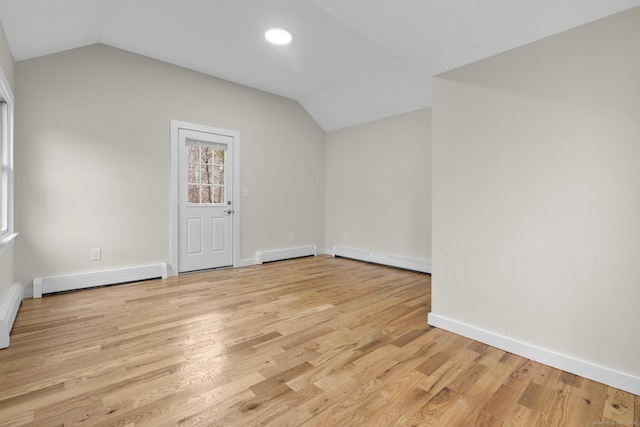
(8, 311)
(281, 254)
(72, 282)
(383, 259)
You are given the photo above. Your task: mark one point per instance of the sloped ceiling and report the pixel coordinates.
(350, 61)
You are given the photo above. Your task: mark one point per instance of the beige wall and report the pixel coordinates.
(92, 160)
(536, 201)
(378, 177)
(6, 271)
(6, 259)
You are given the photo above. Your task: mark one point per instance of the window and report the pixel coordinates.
(6, 164)
(5, 170)
(205, 174)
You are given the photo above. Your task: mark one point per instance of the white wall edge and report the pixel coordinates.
(423, 266)
(8, 311)
(246, 262)
(601, 374)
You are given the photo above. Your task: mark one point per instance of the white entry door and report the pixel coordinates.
(205, 229)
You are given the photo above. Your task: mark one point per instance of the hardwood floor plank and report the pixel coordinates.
(502, 403)
(521, 416)
(619, 407)
(482, 418)
(19, 419)
(316, 341)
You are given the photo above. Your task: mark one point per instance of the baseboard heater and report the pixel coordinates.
(281, 254)
(8, 311)
(384, 259)
(72, 282)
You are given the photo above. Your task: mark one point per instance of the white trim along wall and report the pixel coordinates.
(423, 266)
(546, 356)
(71, 282)
(8, 311)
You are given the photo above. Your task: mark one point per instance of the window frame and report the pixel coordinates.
(8, 234)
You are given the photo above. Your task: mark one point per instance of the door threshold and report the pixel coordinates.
(205, 270)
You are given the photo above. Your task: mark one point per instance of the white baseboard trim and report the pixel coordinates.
(545, 356)
(423, 266)
(71, 282)
(8, 311)
(281, 254)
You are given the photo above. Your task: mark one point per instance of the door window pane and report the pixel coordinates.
(194, 194)
(205, 194)
(194, 153)
(194, 174)
(205, 174)
(218, 194)
(219, 157)
(219, 175)
(207, 155)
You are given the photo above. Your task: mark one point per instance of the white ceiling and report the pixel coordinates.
(350, 61)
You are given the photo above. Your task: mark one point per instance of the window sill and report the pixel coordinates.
(6, 242)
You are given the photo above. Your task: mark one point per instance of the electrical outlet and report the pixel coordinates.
(291, 237)
(96, 254)
(344, 236)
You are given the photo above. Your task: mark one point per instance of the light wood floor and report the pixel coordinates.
(308, 342)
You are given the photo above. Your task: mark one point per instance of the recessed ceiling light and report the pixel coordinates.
(278, 36)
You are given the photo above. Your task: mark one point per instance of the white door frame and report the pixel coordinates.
(173, 190)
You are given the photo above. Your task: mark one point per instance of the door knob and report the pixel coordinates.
(228, 212)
